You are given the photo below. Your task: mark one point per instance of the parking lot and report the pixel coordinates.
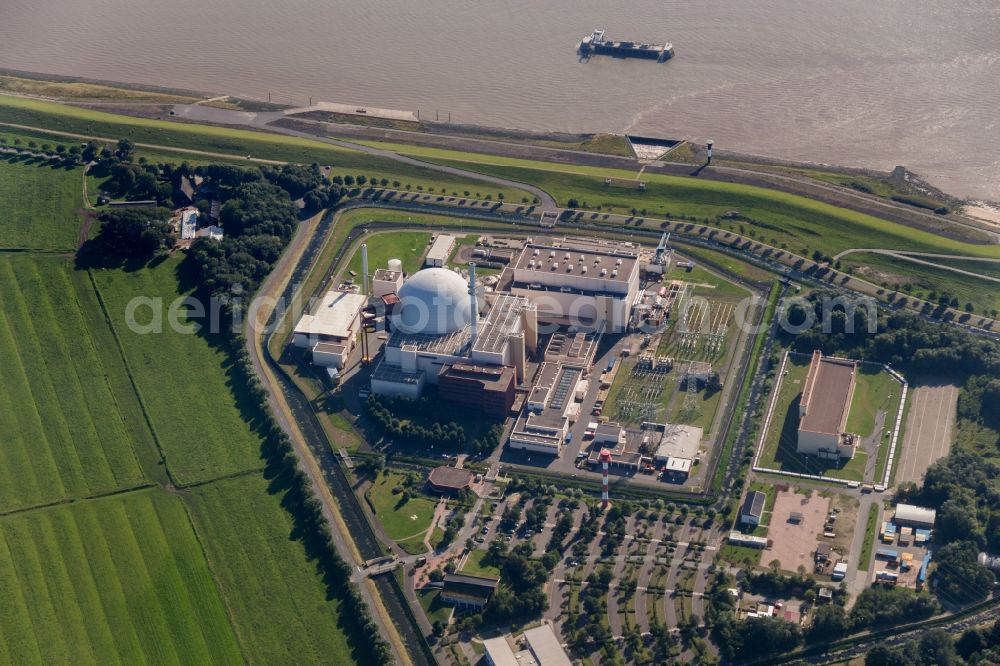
(795, 539)
(928, 429)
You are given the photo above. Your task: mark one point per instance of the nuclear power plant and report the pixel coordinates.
(477, 341)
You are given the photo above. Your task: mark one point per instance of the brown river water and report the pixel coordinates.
(871, 83)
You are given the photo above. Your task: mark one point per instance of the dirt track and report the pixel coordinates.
(929, 427)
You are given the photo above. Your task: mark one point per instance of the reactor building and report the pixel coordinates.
(443, 333)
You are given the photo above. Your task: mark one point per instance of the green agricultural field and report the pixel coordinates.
(67, 415)
(407, 246)
(40, 205)
(280, 608)
(114, 580)
(183, 379)
(402, 521)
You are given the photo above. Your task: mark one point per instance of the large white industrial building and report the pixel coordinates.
(330, 332)
(578, 282)
(824, 407)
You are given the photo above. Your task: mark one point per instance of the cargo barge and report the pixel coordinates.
(597, 43)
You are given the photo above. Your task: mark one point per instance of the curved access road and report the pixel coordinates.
(915, 257)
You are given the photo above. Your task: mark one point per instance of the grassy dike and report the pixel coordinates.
(214, 140)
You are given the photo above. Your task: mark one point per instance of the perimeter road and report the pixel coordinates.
(260, 312)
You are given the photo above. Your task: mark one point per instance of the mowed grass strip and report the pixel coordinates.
(119, 580)
(64, 432)
(279, 604)
(40, 205)
(407, 246)
(183, 379)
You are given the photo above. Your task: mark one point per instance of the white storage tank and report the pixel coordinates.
(396, 265)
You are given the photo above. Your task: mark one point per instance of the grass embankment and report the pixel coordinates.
(79, 91)
(930, 283)
(40, 204)
(66, 410)
(119, 579)
(201, 416)
(607, 144)
(783, 217)
(152, 155)
(232, 141)
(405, 522)
(280, 607)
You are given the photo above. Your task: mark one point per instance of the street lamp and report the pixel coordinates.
(709, 144)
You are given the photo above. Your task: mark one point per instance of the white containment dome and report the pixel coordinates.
(434, 301)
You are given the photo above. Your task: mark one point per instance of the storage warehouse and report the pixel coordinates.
(440, 250)
(824, 407)
(914, 516)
